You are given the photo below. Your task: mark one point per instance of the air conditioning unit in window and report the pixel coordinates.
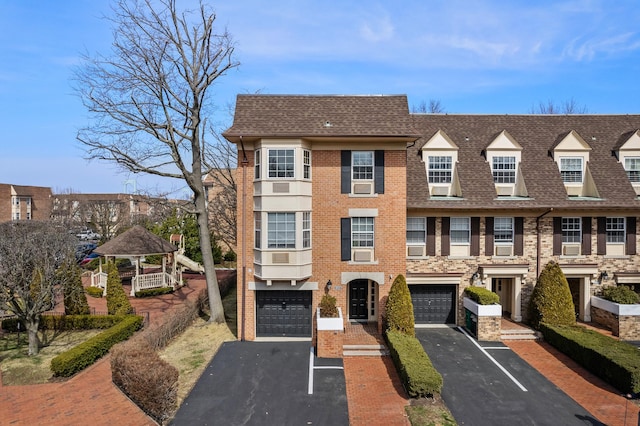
(362, 256)
(503, 251)
(362, 188)
(415, 250)
(504, 191)
(280, 258)
(440, 191)
(572, 250)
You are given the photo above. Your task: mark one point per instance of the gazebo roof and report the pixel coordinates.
(136, 241)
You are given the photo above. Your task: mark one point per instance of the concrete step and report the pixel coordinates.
(518, 331)
(521, 335)
(364, 350)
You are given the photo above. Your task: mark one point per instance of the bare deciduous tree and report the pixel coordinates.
(30, 254)
(433, 107)
(150, 100)
(567, 107)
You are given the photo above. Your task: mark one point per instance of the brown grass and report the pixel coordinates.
(429, 412)
(18, 368)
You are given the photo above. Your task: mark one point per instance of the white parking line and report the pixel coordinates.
(312, 367)
(504, 370)
(497, 347)
(311, 357)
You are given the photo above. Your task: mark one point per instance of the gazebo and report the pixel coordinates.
(135, 244)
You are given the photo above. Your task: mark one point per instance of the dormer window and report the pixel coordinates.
(504, 155)
(440, 169)
(632, 167)
(571, 169)
(504, 169)
(440, 156)
(571, 154)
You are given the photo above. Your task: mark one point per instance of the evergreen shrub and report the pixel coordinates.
(621, 294)
(551, 300)
(399, 308)
(482, 296)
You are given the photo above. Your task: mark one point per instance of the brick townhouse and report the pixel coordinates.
(343, 193)
(19, 202)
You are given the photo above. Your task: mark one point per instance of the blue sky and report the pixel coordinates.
(484, 56)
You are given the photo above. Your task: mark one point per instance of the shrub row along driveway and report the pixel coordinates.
(478, 392)
(265, 383)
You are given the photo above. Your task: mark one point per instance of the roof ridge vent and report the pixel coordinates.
(327, 124)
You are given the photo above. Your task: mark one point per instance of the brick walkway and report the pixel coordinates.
(90, 397)
(602, 400)
(374, 393)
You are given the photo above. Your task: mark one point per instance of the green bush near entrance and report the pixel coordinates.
(482, 296)
(621, 294)
(399, 308)
(551, 302)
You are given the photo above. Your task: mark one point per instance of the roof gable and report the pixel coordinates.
(504, 142)
(572, 142)
(632, 142)
(440, 141)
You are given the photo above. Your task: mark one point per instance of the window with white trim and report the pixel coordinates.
(281, 163)
(416, 230)
(257, 165)
(362, 165)
(257, 230)
(460, 230)
(632, 167)
(440, 169)
(571, 230)
(504, 169)
(362, 232)
(571, 169)
(306, 164)
(281, 230)
(306, 229)
(503, 230)
(615, 230)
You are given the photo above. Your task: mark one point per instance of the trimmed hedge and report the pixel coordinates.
(149, 292)
(67, 322)
(416, 371)
(94, 291)
(76, 359)
(482, 295)
(614, 361)
(621, 294)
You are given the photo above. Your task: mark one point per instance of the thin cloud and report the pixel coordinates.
(588, 50)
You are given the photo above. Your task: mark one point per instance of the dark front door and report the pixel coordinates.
(358, 300)
(574, 286)
(283, 313)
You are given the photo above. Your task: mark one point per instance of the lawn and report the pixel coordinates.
(429, 412)
(20, 369)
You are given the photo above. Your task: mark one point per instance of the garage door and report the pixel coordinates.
(283, 313)
(433, 304)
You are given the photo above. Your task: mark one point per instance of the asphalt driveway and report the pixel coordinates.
(267, 383)
(485, 383)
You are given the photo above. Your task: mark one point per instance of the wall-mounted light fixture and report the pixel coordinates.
(604, 276)
(327, 286)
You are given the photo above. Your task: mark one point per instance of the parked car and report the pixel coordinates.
(88, 258)
(88, 235)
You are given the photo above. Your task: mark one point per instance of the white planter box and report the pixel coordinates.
(615, 308)
(330, 323)
(483, 310)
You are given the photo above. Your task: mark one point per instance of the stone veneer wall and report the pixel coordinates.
(489, 329)
(626, 327)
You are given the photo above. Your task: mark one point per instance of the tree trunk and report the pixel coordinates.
(215, 301)
(32, 331)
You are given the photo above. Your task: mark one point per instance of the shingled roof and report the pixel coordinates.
(537, 134)
(136, 241)
(263, 116)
